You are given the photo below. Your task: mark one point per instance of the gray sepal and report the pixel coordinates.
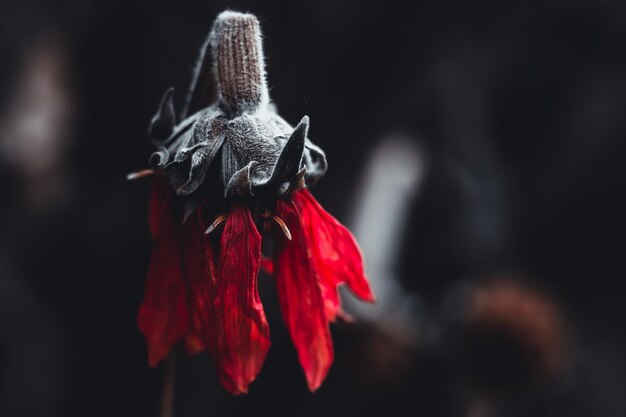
(159, 158)
(200, 162)
(229, 164)
(164, 121)
(315, 161)
(240, 184)
(290, 159)
(191, 205)
(201, 91)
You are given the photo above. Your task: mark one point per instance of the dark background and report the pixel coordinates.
(518, 106)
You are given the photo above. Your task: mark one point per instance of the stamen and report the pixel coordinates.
(140, 174)
(283, 226)
(219, 220)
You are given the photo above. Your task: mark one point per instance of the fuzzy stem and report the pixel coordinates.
(238, 62)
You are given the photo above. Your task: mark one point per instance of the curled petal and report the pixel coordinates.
(301, 300)
(243, 332)
(163, 317)
(335, 253)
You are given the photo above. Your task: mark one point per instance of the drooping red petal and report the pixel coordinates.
(199, 271)
(335, 253)
(243, 332)
(163, 317)
(301, 300)
(198, 268)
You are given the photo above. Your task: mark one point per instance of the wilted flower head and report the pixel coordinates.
(226, 173)
(261, 154)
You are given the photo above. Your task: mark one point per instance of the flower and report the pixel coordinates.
(238, 168)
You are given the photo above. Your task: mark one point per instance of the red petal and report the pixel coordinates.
(194, 343)
(163, 317)
(301, 299)
(243, 333)
(199, 270)
(267, 264)
(335, 253)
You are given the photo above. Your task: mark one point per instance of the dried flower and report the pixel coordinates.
(237, 167)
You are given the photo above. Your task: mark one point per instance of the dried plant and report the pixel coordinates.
(226, 173)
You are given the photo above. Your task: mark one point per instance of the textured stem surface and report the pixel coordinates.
(238, 62)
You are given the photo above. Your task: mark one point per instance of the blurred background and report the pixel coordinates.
(476, 150)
